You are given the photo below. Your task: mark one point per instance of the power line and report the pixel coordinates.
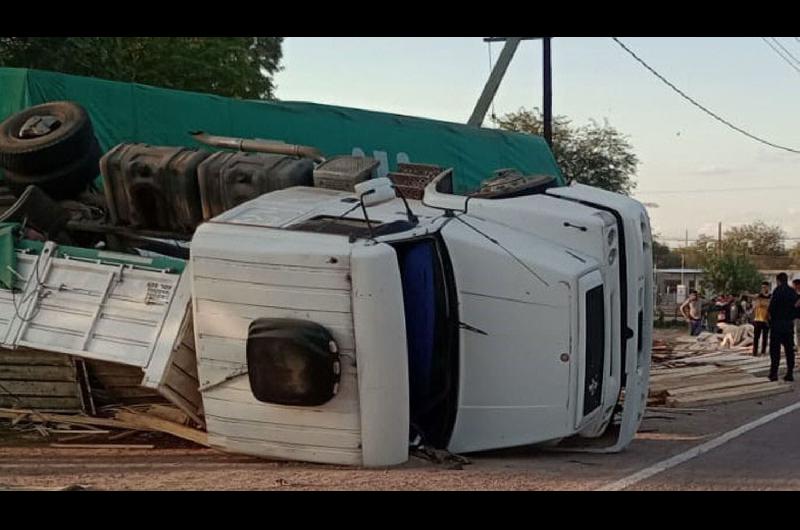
(782, 47)
(701, 107)
(682, 239)
(715, 190)
(789, 62)
(491, 64)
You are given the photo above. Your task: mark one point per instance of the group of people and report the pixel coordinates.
(775, 317)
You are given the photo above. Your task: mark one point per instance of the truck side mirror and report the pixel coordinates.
(292, 362)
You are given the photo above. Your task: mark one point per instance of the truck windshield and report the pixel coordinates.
(432, 336)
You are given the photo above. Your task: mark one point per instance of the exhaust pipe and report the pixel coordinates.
(259, 146)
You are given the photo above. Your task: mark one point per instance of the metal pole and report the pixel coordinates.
(547, 80)
(683, 255)
(490, 89)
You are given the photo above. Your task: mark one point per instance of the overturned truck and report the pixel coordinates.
(329, 310)
(341, 327)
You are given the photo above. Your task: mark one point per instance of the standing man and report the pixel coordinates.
(760, 319)
(781, 316)
(691, 309)
(796, 284)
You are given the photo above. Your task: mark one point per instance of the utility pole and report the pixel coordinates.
(495, 77)
(683, 256)
(499, 70)
(547, 91)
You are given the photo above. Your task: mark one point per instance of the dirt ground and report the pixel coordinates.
(28, 462)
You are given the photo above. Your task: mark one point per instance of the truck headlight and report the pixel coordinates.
(612, 256)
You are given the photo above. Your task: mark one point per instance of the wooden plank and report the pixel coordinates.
(667, 384)
(121, 435)
(186, 359)
(38, 402)
(183, 384)
(185, 355)
(674, 410)
(85, 385)
(76, 437)
(698, 379)
(194, 410)
(681, 372)
(733, 383)
(33, 357)
(41, 388)
(167, 412)
(103, 446)
(683, 375)
(136, 392)
(38, 417)
(126, 380)
(160, 424)
(76, 431)
(36, 373)
(752, 361)
(730, 395)
(112, 369)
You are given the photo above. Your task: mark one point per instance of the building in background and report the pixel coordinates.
(668, 282)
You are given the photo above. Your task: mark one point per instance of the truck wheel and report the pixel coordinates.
(65, 182)
(44, 137)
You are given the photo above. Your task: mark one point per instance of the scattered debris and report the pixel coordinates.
(709, 369)
(439, 456)
(123, 422)
(103, 446)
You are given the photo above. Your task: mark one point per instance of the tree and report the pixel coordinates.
(795, 252)
(730, 273)
(756, 238)
(664, 257)
(594, 154)
(228, 66)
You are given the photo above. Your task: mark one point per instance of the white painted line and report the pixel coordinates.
(695, 451)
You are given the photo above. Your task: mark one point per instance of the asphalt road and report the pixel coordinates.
(766, 457)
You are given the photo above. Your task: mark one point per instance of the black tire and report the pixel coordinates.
(65, 182)
(44, 154)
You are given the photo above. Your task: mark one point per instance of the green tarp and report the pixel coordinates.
(127, 112)
(8, 258)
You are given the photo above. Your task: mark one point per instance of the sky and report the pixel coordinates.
(690, 164)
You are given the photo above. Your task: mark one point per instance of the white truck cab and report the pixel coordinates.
(340, 327)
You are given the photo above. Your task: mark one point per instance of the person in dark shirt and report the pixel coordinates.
(781, 315)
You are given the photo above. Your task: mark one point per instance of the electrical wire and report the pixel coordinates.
(491, 64)
(39, 285)
(496, 242)
(787, 60)
(682, 239)
(715, 190)
(701, 107)
(782, 47)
